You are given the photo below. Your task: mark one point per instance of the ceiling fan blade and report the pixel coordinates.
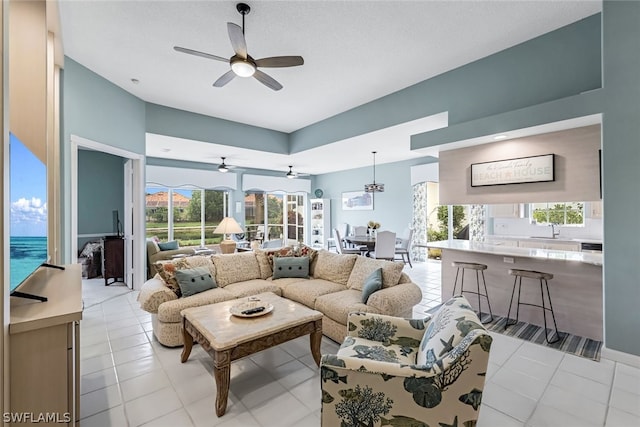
(198, 53)
(225, 78)
(238, 42)
(267, 80)
(280, 61)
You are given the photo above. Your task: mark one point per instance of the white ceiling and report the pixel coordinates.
(354, 52)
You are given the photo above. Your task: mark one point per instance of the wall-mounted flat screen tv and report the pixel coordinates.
(28, 213)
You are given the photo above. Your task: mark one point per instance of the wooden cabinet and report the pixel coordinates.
(113, 257)
(544, 244)
(320, 222)
(44, 346)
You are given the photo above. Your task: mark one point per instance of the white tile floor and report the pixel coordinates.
(129, 379)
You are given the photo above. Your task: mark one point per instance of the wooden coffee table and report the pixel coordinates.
(227, 337)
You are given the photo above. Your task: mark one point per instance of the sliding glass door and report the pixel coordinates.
(275, 217)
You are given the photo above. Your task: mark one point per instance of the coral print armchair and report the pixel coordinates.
(407, 372)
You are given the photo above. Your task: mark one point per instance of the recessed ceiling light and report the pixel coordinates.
(165, 150)
(500, 137)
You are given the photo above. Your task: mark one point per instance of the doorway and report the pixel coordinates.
(133, 217)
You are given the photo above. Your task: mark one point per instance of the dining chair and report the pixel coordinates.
(404, 246)
(359, 230)
(385, 247)
(341, 246)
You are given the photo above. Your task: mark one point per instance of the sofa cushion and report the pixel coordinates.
(265, 257)
(237, 267)
(194, 280)
(306, 292)
(253, 287)
(371, 284)
(337, 306)
(291, 267)
(167, 269)
(452, 322)
(170, 310)
(169, 246)
(364, 266)
(334, 267)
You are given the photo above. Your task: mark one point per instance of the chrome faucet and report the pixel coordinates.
(554, 233)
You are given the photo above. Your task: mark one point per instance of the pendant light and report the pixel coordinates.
(374, 188)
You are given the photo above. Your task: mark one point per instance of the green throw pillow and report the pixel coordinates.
(371, 284)
(168, 246)
(291, 266)
(194, 280)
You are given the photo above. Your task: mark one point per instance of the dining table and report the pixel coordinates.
(363, 240)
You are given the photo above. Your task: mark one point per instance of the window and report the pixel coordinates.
(173, 214)
(569, 213)
(274, 215)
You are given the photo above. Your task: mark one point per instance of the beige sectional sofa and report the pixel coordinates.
(334, 287)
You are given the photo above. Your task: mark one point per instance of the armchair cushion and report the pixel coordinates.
(449, 326)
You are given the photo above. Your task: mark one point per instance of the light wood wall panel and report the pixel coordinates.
(577, 170)
(28, 74)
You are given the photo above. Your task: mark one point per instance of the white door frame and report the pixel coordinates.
(136, 191)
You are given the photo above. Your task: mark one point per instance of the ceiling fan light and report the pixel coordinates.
(223, 168)
(243, 68)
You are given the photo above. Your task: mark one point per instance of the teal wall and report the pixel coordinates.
(95, 109)
(97, 201)
(559, 64)
(620, 158)
(183, 124)
(392, 209)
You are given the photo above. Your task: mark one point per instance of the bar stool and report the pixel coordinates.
(543, 277)
(479, 269)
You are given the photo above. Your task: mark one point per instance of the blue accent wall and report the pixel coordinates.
(392, 209)
(95, 109)
(559, 64)
(620, 158)
(97, 200)
(183, 124)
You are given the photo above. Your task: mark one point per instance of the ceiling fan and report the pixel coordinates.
(291, 174)
(223, 167)
(242, 64)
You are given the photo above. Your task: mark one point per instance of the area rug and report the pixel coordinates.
(573, 344)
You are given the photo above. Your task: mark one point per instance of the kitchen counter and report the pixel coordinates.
(576, 287)
(558, 239)
(546, 254)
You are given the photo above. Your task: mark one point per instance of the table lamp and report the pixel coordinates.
(227, 226)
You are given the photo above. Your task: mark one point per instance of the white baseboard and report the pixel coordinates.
(619, 356)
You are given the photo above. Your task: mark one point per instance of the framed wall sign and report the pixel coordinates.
(357, 201)
(513, 171)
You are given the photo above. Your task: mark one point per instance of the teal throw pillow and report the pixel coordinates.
(194, 280)
(168, 246)
(291, 266)
(371, 284)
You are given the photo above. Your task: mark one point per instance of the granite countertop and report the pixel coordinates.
(488, 248)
